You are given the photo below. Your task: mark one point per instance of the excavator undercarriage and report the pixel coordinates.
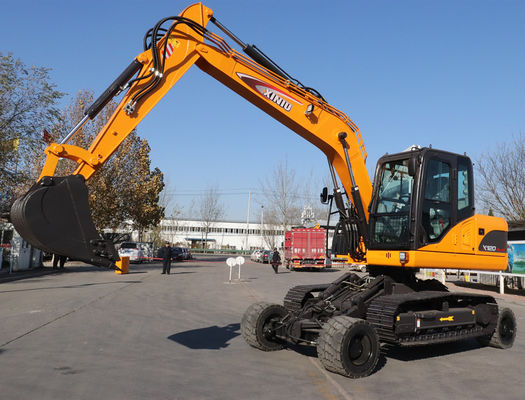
(349, 319)
(418, 213)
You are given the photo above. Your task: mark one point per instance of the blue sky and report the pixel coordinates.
(446, 73)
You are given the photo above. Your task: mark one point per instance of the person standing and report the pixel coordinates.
(166, 258)
(59, 261)
(276, 260)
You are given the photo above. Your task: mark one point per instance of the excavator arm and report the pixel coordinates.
(54, 214)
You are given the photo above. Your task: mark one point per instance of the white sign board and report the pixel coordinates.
(232, 262)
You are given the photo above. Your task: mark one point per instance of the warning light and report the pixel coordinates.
(309, 109)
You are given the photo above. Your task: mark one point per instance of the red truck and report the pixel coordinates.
(305, 248)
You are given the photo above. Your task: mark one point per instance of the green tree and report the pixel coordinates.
(124, 188)
(28, 102)
(143, 188)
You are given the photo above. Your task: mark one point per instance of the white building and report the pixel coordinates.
(221, 235)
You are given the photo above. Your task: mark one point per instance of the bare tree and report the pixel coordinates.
(269, 225)
(172, 210)
(281, 194)
(167, 199)
(502, 188)
(311, 200)
(210, 210)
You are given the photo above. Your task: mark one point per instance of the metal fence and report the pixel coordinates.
(501, 279)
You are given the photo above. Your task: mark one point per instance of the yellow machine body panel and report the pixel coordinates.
(477, 243)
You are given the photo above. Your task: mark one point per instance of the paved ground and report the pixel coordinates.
(88, 333)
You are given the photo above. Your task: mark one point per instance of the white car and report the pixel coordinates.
(133, 250)
(255, 255)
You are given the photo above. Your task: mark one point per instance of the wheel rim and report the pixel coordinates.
(268, 327)
(506, 329)
(360, 349)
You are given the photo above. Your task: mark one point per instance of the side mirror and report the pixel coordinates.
(324, 195)
(412, 166)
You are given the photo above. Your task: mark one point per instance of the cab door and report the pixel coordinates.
(446, 195)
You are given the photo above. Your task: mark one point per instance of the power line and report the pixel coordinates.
(199, 194)
(244, 189)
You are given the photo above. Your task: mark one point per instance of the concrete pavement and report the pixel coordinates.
(89, 333)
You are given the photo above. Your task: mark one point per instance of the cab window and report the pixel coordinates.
(391, 217)
(464, 197)
(395, 188)
(436, 204)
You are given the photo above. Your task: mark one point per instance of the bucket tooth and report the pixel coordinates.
(54, 216)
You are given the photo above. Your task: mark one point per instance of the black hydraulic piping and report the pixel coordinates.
(356, 197)
(117, 86)
(252, 51)
(338, 195)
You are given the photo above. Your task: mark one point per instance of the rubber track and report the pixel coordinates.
(293, 301)
(382, 311)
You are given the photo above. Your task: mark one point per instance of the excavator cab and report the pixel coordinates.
(418, 197)
(54, 216)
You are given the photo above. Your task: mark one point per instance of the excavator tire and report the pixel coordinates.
(348, 346)
(257, 323)
(505, 332)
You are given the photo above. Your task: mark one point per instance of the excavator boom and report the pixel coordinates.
(54, 214)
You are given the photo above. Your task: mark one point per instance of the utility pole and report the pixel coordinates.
(262, 222)
(248, 221)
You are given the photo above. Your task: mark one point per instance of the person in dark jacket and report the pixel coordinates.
(59, 260)
(276, 260)
(165, 253)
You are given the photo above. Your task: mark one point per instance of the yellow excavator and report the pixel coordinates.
(418, 213)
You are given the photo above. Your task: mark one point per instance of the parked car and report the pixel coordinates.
(147, 251)
(133, 250)
(177, 253)
(255, 255)
(266, 256)
(260, 256)
(186, 253)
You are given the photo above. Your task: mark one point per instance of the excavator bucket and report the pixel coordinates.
(54, 216)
